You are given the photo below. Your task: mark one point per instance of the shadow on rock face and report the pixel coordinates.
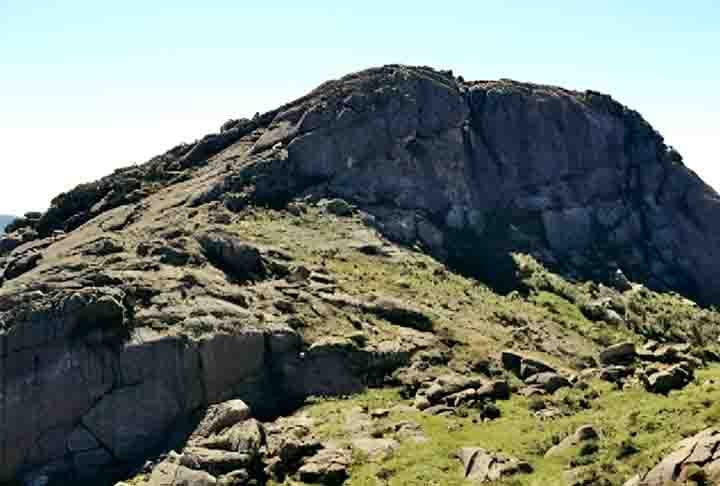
(487, 258)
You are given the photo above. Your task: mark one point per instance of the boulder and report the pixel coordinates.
(616, 373)
(246, 437)
(548, 381)
(214, 461)
(494, 390)
(619, 281)
(328, 467)
(696, 456)
(523, 365)
(20, 265)
(481, 465)
(673, 378)
(376, 449)
(618, 354)
(584, 433)
(222, 416)
(171, 473)
(447, 385)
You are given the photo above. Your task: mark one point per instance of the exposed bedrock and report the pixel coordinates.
(476, 170)
(81, 405)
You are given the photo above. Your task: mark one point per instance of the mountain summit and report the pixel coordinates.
(469, 170)
(337, 243)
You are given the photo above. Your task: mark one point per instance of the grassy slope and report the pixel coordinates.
(626, 419)
(546, 321)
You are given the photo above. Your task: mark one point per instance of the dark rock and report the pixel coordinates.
(9, 242)
(619, 281)
(103, 247)
(511, 361)
(615, 374)
(448, 385)
(523, 365)
(490, 411)
(494, 390)
(548, 381)
(618, 354)
(400, 313)
(673, 378)
(20, 265)
(237, 258)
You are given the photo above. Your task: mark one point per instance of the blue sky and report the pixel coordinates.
(89, 86)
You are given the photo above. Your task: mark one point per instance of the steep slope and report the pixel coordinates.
(289, 256)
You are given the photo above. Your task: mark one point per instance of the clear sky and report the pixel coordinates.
(87, 86)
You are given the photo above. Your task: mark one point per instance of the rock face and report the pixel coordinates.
(139, 300)
(575, 178)
(82, 391)
(470, 170)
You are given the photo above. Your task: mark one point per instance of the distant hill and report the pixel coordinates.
(4, 221)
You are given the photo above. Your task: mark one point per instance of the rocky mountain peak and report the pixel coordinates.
(335, 244)
(475, 170)
(470, 170)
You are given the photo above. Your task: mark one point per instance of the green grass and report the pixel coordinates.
(632, 417)
(543, 320)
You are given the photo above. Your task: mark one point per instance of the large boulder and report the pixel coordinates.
(172, 473)
(548, 381)
(524, 365)
(481, 465)
(696, 455)
(673, 378)
(329, 466)
(618, 354)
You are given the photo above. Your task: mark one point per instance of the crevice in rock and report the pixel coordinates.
(475, 99)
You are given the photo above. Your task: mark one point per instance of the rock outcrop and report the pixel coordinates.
(141, 299)
(695, 459)
(475, 170)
